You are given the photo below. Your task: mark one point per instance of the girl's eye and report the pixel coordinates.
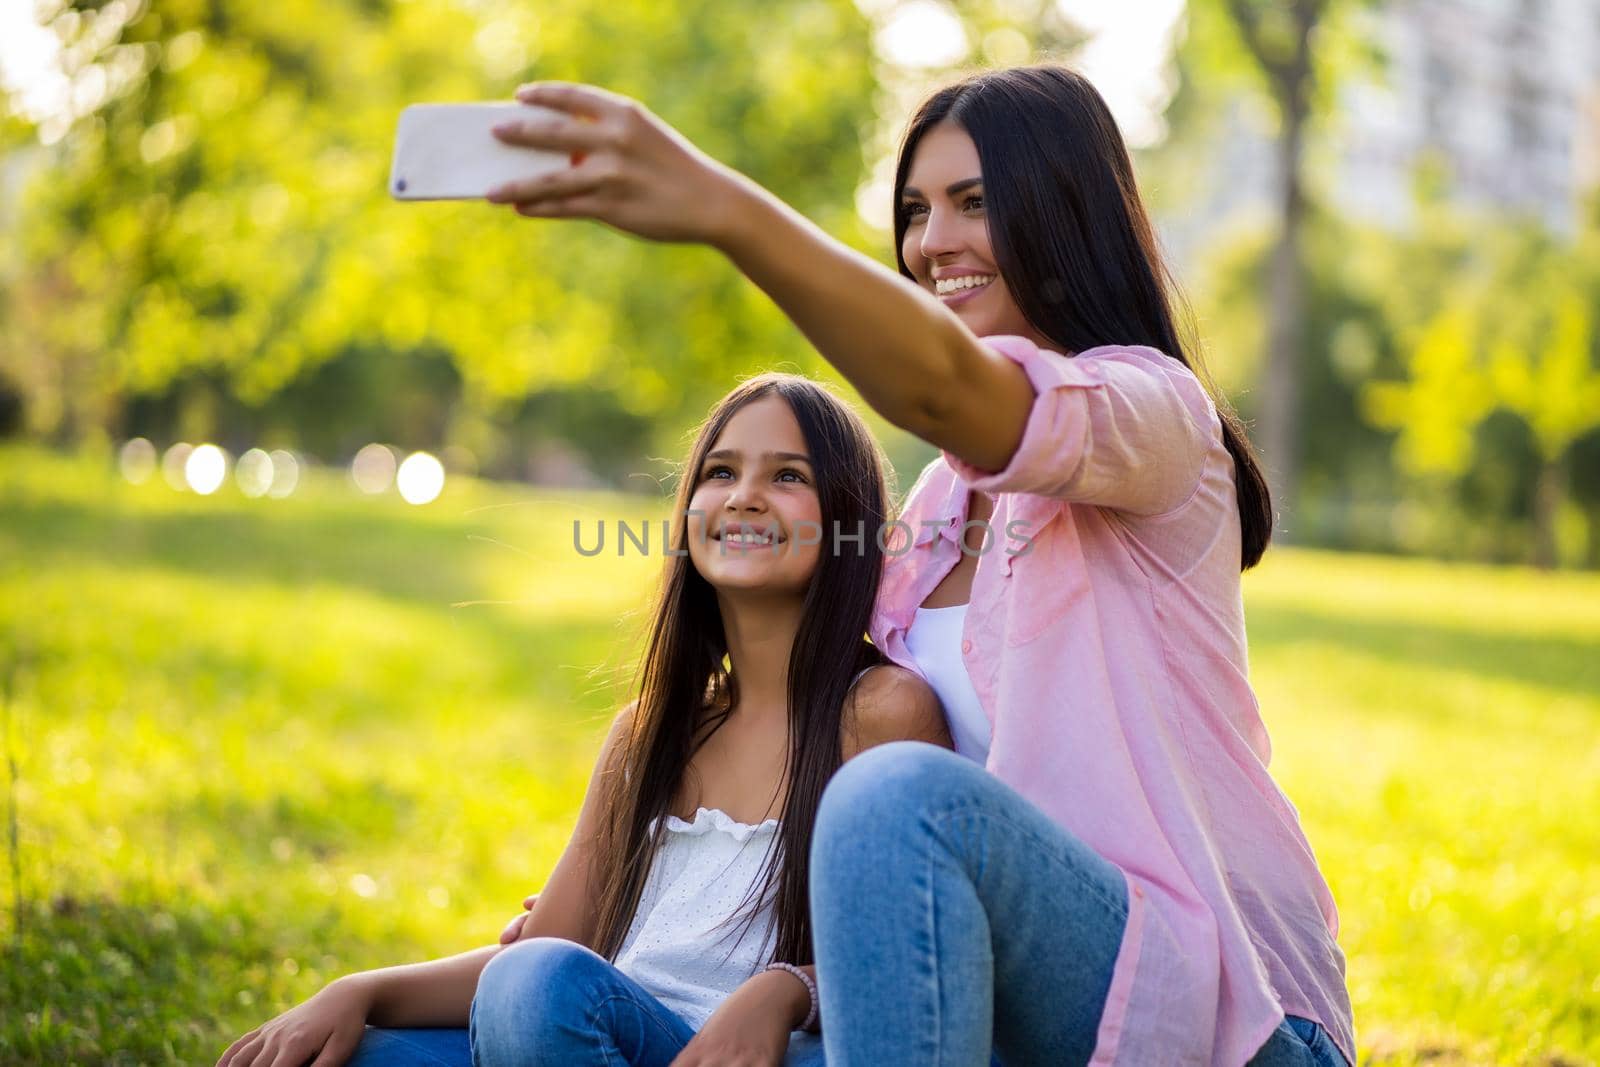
(975, 199)
(790, 470)
(910, 211)
(712, 472)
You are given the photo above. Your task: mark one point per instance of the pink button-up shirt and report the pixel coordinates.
(1105, 639)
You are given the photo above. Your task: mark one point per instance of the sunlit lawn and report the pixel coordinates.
(261, 743)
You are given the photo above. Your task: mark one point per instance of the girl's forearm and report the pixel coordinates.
(789, 997)
(902, 350)
(437, 993)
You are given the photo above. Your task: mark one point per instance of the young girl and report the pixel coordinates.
(1126, 883)
(687, 873)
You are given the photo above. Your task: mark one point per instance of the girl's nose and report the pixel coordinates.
(744, 497)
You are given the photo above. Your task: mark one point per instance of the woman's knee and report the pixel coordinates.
(883, 789)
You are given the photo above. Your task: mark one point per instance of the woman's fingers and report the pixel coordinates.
(558, 185)
(577, 207)
(529, 901)
(574, 98)
(555, 134)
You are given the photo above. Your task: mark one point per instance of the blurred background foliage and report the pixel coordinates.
(251, 744)
(210, 252)
(199, 246)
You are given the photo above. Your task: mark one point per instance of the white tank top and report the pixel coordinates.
(934, 641)
(689, 944)
(693, 940)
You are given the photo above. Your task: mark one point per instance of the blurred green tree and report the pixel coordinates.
(1293, 54)
(215, 209)
(1511, 328)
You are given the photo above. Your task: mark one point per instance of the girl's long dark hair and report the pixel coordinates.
(1070, 235)
(685, 691)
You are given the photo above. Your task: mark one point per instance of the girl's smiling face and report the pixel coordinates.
(946, 244)
(755, 517)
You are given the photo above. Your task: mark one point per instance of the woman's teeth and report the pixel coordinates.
(946, 286)
(748, 539)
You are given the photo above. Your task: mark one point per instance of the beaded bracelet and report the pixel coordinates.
(811, 987)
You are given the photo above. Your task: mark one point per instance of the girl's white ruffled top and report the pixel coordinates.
(692, 941)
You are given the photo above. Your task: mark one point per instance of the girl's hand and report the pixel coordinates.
(750, 1029)
(630, 170)
(513, 928)
(323, 1031)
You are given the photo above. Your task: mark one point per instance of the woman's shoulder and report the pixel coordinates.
(1152, 361)
(890, 703)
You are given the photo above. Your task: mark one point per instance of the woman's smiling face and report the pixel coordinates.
(946, 244)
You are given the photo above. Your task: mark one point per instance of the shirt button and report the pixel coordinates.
(966, 646)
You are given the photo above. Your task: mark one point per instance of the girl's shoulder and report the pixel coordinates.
(890, 703)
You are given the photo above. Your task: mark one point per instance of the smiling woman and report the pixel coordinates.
(1102, 677)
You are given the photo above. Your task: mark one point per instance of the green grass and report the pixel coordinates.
(258, 744)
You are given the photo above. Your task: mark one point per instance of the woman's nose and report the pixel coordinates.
(939, 236)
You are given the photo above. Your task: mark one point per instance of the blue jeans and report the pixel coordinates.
(1299, 1042)
(549, 1001)
(955, 922)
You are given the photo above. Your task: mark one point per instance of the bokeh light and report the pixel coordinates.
(206, 469)
(923, 34)
(421, 478)
(172, 465)
(253, 472)
(137, 460)
(373, 468)
(285, 473)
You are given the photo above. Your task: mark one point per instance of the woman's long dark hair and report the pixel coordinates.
(1070, 235)
(685, 692)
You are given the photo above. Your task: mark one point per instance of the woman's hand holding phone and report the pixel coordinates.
(634, 172)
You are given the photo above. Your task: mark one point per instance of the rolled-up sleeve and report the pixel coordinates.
(1119, 427)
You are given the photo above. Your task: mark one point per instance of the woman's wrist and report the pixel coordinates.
(745, 213)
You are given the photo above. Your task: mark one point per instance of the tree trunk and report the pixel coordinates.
(1280, 408)
(1592, 556)
(1548, 496)
(1286, 63)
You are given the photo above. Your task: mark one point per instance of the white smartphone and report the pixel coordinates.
(447, 152)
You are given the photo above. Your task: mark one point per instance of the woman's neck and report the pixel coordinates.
(760, 632)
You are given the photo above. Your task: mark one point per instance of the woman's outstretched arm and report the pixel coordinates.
(908, 355)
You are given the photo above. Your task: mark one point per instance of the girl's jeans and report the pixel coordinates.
(952, 919)
(548, 1001)
(915, 849)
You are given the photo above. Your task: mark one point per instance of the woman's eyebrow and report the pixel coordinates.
(728, 453)
(950, 190)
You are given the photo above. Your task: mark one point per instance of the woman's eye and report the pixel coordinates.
(912, 211)
(974, 202)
